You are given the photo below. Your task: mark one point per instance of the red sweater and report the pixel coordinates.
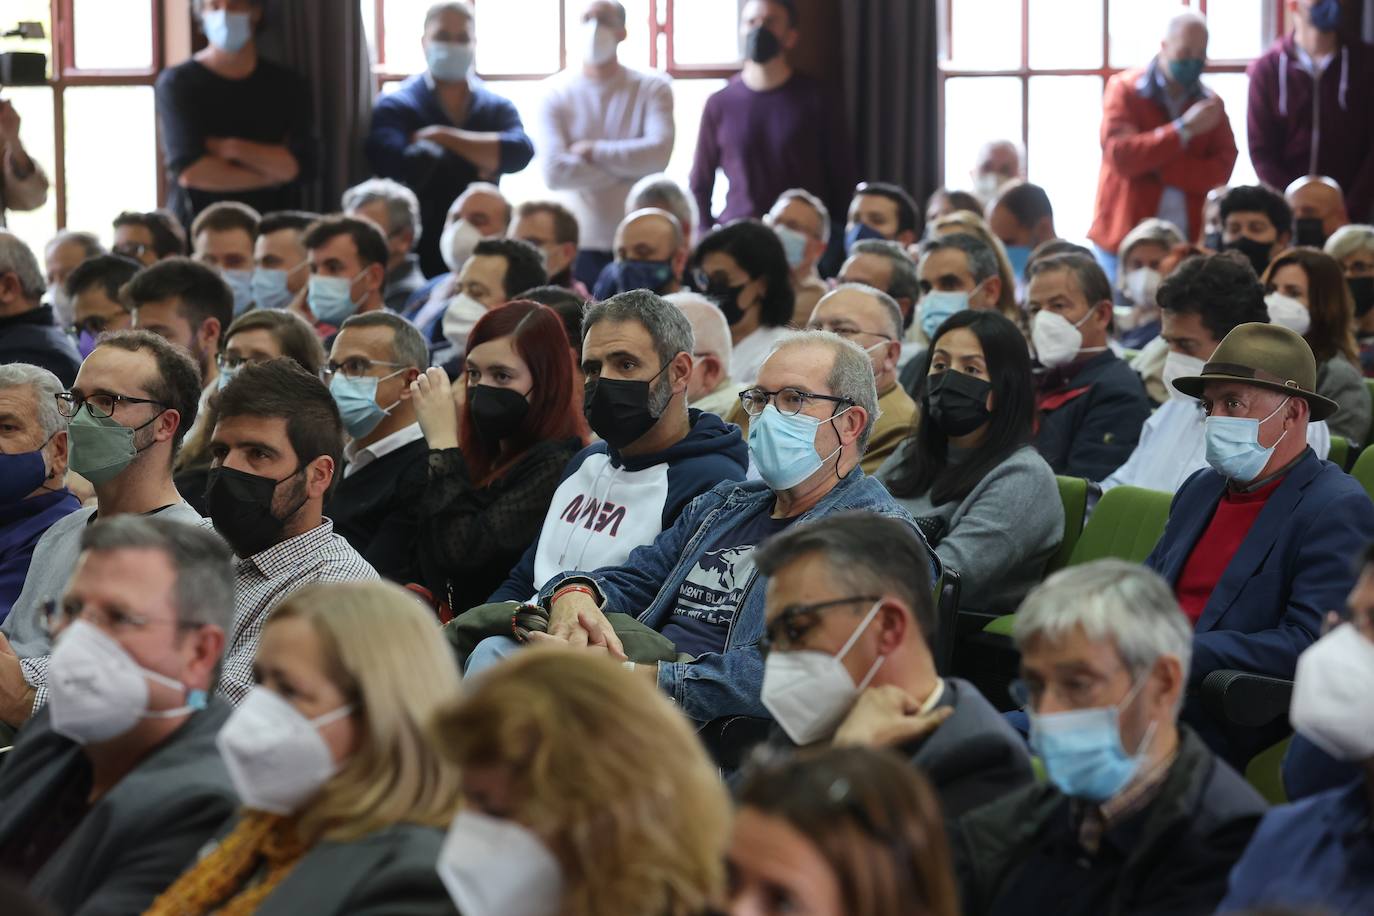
(1213, 551)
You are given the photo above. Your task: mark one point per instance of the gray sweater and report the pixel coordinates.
(999, 537)
(1339, 380)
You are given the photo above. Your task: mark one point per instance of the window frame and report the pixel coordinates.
(1024, 72)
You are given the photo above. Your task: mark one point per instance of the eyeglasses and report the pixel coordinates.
(58, 614)
(849, 333)
(354, 367)
(234, 363)
(1081, 691)
(796, 620)
(788, 401)
(93, 324)
(132, 249)
(100, 406)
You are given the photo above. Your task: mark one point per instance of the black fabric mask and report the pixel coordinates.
(617, 410)
(1362, 288)
(956, 402)
(1309, 232)
(497, 413)
(1257, 253)
(240, 507)
(762, 45)
(726, 299)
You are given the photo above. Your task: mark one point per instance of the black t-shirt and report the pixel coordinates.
(270, 105)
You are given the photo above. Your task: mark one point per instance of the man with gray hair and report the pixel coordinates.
(117, 783)
(396, 210)
(884, 265)
(28, 329)
(873, 320)
(659, 192)
(802, 222)
(696, 586)
(1137, 815)
(711, 388)
(62, 255)
(33, 468)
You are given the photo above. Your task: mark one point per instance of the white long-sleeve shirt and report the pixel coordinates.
(629, 116)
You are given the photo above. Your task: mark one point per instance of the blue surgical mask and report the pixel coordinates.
(269, 288)
(1233, 447)
(227, 31)
(1082, 751)
(1186, 72)
(857, 233)
(937, 306)
(623, 276)
(449, 61)
(226, 375)
(357, 402)
(1018, 255)
(793, 245)
(784, 448)
(240, 283)
(20, 474)
(329, 298)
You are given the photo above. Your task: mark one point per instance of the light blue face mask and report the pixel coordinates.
(240, 283)
(226, 375)
(938, 305)
(227, 31)
(1018, 255)
(329, 298)
(269, 288)
(449, 61)
(784, 448)
(793, 245)
(1082, 751)
(357, 402)
(1233, 446)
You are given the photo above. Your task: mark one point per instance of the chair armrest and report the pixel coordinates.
(1244, 699)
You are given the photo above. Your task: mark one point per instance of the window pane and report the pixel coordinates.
(1066, 34)
(526, 96)
(92, 116)
(34, 105)
(1064, 153)
(634, 50)
(974, 46)
(517, 36)
(16, 11)
(977, 109)
(1238, 29)
(1234, 89)
(1136, 28)
(113, 34)
(705, 33)
(403, 24)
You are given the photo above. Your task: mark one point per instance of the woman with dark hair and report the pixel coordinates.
(496, 459)
(839, 832)
(743, 269)
(1306, 292)
(984, 498)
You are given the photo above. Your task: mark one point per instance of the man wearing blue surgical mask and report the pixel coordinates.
(802, 222)
(223, 237)
(280, 267)
(442, 129)
(880, 210)
(234, 126)
(347, 258)
(1258, 546)
(1021, 217)
(1136, 815)
(650, 253)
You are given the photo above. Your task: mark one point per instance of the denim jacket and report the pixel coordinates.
(729, 683)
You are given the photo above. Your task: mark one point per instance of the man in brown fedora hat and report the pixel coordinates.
(1259, 545)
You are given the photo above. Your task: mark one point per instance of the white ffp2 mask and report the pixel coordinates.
(496, 867)
(1333, 694)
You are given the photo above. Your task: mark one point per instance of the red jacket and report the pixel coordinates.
(1279, 119)
(1142, 153)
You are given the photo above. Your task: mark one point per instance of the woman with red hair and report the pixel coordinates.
(498, 446)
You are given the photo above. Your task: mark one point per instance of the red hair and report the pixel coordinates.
(539, 338)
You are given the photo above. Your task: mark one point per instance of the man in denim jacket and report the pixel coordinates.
(811, 414)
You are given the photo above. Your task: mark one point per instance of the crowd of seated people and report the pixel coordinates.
(598, 553)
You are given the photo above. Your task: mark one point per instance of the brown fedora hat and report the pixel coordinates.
(1265, 356)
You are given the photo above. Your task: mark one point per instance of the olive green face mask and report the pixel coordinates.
(101, 447)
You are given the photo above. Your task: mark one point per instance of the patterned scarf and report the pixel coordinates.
(260, 843)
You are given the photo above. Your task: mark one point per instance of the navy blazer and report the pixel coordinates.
(1298, 562)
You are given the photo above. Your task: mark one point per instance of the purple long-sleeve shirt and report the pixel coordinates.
(793, 136)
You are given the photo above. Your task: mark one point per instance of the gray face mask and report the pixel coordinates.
(101, 447)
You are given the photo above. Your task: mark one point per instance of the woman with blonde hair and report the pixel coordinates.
(344, 798)
(587, 795)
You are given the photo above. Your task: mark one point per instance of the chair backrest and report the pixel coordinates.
(946, 595)
(1073, 493)
(1126, 524)
(1363, 471)
(1339, 455)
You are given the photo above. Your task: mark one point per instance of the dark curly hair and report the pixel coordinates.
(1221, 289)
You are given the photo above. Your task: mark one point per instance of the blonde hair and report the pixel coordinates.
(608, 772)
(383, 650)
(971, 223)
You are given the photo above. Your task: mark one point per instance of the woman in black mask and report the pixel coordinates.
(985, 499)
(498, 446)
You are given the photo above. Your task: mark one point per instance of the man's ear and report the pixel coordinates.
(208, 335)
(410, 376)
(376, 276)
(1169, 676)
(679, 262)
(680, 372)
(57, 462)
(992, 291)
(167, 425)
(712, 372)
(319, 474)
(855, 419)
(893, 622)
(905, 237)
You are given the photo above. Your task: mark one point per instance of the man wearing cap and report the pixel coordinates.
(1258, 545)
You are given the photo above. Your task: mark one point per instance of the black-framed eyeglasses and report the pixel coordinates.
(355, 367)
(58, 613)
(789, 401)
(796, 620)
(132, 249)
(234, 363)
(100, 406)
(848, 333)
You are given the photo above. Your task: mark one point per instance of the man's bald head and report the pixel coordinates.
(1185, 38)
(1318, 197)
(484, 206)
(647, 229)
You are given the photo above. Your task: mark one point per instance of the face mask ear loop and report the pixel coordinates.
(840, 439)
